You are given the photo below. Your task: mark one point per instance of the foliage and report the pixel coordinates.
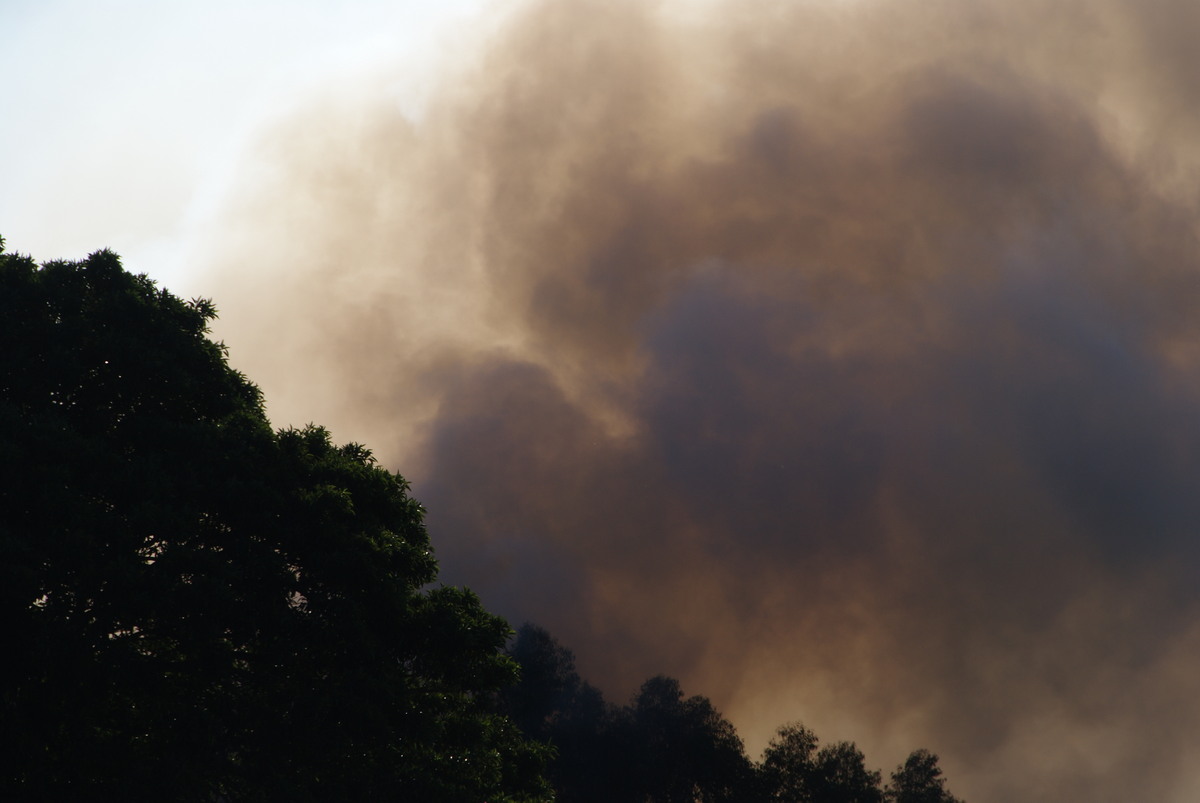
(662, 748)
(919, 780)
(198, 607)
(788, 763)
(668, 748)
(687, 750)
(553, 705)
(548, 685)
(795, 771)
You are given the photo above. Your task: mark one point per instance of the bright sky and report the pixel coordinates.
(122, 119)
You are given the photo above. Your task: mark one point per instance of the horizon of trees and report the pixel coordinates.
(665, 747)
(199, 607)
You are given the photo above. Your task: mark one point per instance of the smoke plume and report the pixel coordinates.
(840, 359)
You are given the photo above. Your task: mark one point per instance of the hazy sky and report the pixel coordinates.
(124, 120)
(839, 359)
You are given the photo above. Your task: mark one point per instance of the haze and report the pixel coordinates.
(839, 359)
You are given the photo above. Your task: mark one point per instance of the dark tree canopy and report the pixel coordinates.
(545, 694)
(840, 775)
(662, 748)
(686, 750)
(795, 771)
(788, 762)
(553, 705)
(197, 607)
(667, 748)
(919, 780)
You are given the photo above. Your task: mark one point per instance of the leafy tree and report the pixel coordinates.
(919, 780)
(548, 684)
(196, 607)
(553, 705)
(686, 750)
(840, 776)
(788, 763)
(795, 771)
(663, 748)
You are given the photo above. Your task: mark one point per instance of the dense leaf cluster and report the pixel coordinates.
(667, 748)
(197, 607)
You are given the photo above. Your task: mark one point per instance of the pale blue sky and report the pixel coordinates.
(122, 119)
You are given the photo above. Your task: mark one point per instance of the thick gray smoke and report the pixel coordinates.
(841, 359)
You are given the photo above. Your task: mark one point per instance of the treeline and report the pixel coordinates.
(664, 747)
(198, 607)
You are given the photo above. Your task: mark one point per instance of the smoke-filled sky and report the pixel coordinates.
(124, 122)
(841, 359)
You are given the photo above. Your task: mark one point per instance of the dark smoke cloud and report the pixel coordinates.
(840, 359)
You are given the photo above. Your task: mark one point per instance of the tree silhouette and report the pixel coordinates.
(795, 771)
(841, 776)
(665, 748)
(919, 780)
(787, 764)
(685, 750)
(548, 684)
(196, 607)
(553, 705)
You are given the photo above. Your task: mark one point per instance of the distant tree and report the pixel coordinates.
(548, 684)
(553, 705)
(841, 776)
(686, 751)
(665, 748)
(919, 780)
(788, 764)
(795, 771)
(196, 607)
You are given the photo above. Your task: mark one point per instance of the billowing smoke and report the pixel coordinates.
(841, 359)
